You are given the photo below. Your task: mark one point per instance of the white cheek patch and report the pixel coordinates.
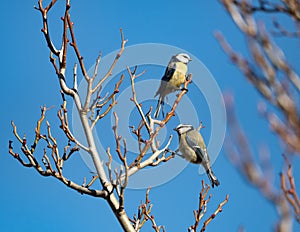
(184, 58)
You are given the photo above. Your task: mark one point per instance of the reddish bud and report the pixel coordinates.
(291, 191)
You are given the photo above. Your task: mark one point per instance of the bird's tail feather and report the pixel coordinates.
(160, 102)
(213, 179)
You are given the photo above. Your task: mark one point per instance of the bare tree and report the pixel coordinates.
(91, 109)
(269, 72)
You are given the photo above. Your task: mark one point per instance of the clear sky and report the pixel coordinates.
(30, 202)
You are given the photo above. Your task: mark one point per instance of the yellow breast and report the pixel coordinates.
(179, 74)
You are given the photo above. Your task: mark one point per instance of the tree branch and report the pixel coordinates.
(109, 72)
(49, 171)
(204, 199)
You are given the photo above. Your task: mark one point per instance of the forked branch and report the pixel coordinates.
(58, 161)
(144, 214)
(149, 123)
(204, 199)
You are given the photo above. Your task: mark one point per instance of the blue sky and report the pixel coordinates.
(30, 202)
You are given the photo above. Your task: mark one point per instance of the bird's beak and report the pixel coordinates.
(174, 129)
(190, 59)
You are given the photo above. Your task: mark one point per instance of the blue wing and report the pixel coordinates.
(169, 72)
(193, 139)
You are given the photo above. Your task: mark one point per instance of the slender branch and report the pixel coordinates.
(17, 156)
(63, 117)
(90, 89)
(92, 181)
(150, 161)
(291, 193)
(238, 144)
(109, 72)
(75, 86)
(97, 66)
(63, 53)
(113, 103)
(134, 99)
(49, 171)
(108, 165)
(204, 199)
(218, 210)
(75, 47)
(153, 132)
(144, 214)
(45, 30)
(273, 91)
(286, 7)
(281, 31)
(122, 156)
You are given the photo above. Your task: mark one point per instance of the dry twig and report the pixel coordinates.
(144, 214)
(240, 154)
(291, 193)
(273, 77)
(56, 158)
(204, 199)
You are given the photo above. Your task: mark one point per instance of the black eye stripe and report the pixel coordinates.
(184, 126)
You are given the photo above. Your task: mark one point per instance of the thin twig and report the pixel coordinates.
(218, 210)
(109, 72)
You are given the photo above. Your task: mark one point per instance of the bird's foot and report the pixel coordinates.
(173, 153)
(184, 89)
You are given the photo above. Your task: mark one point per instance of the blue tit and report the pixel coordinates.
(193, 149)
(175, 75)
